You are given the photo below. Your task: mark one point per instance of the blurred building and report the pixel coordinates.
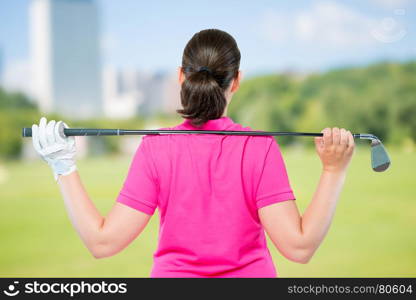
(65, 57)
(171, 95)
(122, 94)
(152, 86)
(129, 92)
(160, 93)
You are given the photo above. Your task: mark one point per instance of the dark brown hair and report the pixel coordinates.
(211, 60)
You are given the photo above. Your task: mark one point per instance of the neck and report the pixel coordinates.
(228, 98)
(225, 112)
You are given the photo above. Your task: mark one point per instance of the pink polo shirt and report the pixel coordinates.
(208, 189)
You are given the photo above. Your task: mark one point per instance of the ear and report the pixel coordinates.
(236, 82)
(181, 75)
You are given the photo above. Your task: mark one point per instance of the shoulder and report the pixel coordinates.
(259, 140)
(153, 140)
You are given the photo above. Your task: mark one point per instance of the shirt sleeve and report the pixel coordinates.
(274, 185)
(140, 189)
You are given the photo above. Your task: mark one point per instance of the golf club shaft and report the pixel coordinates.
(27, 132)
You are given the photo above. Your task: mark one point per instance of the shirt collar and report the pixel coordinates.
(216, 124)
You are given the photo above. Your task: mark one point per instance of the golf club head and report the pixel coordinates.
(380, 160)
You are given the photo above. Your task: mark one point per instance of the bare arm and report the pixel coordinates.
(297, 237)
(103, 236)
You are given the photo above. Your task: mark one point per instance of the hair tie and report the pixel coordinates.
(205, 69)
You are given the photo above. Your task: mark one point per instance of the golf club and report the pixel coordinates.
(380, 160)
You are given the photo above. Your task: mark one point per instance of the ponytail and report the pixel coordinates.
(210, 62)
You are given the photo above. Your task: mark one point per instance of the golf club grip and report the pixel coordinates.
(27, 132)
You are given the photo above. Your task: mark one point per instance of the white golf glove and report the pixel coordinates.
(54, 148)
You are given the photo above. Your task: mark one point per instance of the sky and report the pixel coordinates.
(273, 36)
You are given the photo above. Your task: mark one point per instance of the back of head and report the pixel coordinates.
(210, 62)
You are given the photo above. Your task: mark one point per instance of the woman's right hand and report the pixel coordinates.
(57, 150)
(335, 149)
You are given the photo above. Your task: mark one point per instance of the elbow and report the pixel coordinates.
(99, 255)
(300, 255)
(101, 251)
(302, 258)
(100, 245)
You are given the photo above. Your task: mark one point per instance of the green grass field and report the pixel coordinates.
(373, 233)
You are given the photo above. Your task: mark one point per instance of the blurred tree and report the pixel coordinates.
(15, 101)
(380, 99)
(16, 111)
